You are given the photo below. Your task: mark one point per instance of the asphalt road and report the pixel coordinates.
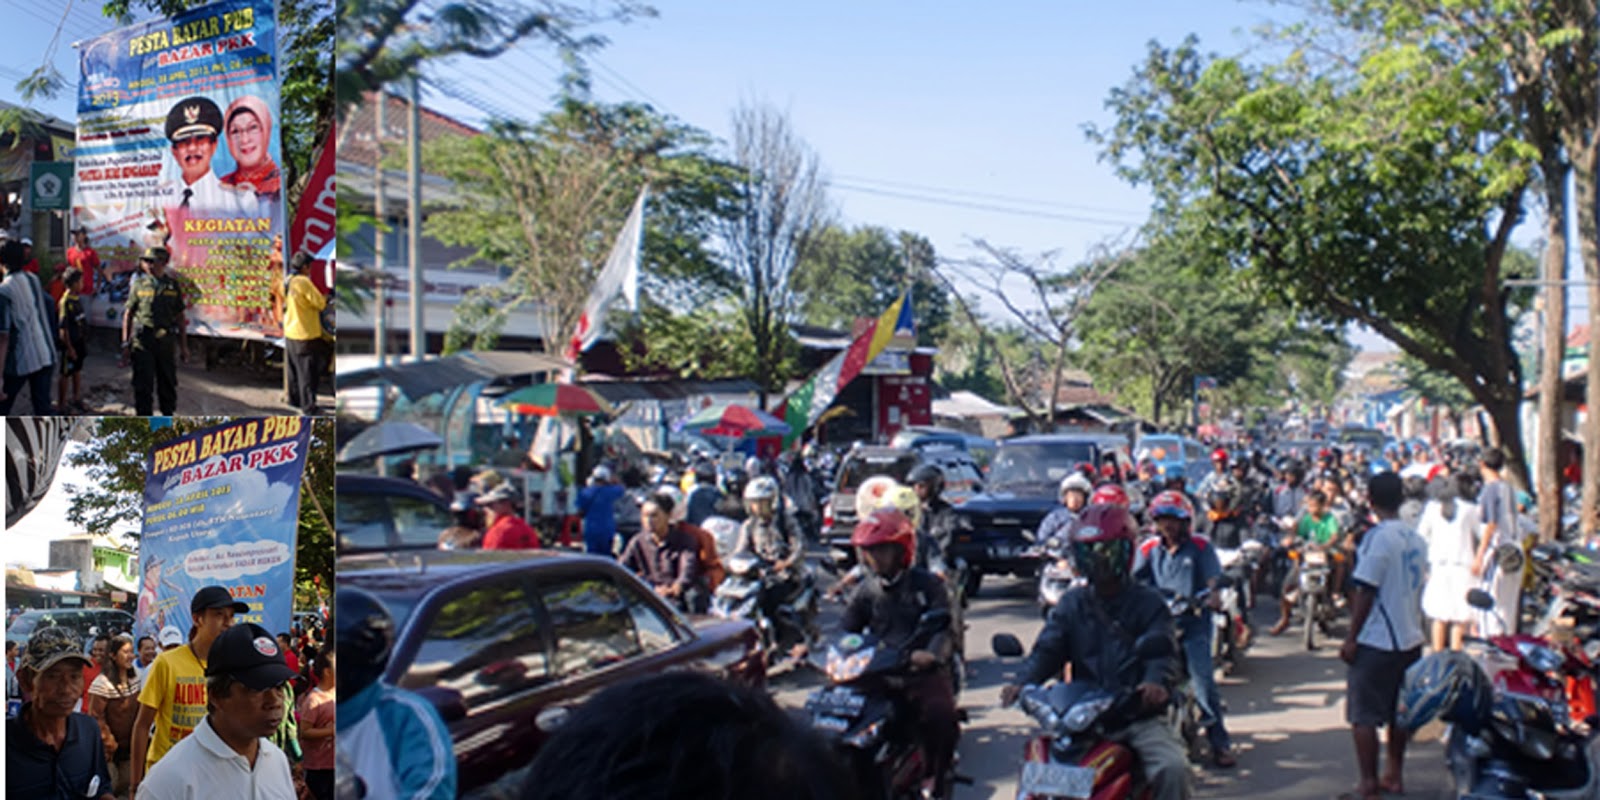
(1285, 711)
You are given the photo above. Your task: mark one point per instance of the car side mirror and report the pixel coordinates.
(1480, 599)
(1006, 645)
(450, 704)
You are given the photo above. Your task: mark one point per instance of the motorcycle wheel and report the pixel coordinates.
(1311, 621)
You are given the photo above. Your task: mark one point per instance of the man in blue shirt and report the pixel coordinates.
(53, 753)
(1186, 566)
(597, 502)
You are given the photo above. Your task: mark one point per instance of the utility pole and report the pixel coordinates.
(380, 326)
(419, 335)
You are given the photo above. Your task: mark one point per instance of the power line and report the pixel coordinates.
(995, 209)
(938, 190)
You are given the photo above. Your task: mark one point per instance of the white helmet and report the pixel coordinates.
(1076, 481)
(762, 488)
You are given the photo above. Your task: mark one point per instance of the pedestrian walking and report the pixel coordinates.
(27, 334)
(114, 703)
(72, 334)
(52, 752)
(1499, 557)
(306, 347)
(155, 333)
(1385, 635)
(1450, 525)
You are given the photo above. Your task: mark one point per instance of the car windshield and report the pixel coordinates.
(858, 470)
(24, 625)
(1036, 468)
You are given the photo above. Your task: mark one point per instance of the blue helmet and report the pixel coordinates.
(1446, 686)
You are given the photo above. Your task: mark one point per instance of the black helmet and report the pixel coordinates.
(929, 474)
(705, 473)
(733, 482)
(365, 634)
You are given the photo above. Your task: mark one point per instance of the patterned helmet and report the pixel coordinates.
(762, 488)
(1102, 540)
(1171, 504)
(1110, 494)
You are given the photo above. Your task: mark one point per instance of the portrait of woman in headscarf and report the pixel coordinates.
(248, 126)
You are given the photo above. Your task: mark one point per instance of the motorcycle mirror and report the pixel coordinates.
(1006, 646)
(1153, 645)
(1480, 599)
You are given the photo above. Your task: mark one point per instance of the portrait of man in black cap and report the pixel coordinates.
(229, 750)
(193, 126)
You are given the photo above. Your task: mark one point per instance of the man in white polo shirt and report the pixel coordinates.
(228, 754)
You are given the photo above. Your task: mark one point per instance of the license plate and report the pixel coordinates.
(1316, 559)
(837, 702)
(831, 724)
(1056, 779)
(1003, 551)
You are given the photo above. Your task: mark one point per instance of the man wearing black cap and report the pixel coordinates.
(174, 696)
(229, 754)
(52, 752)
(155, 333)
(302, 331)
(192, 127)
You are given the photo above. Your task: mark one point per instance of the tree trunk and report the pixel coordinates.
(1553, 268)
(1586, 163)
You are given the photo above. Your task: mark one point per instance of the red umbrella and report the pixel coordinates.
(556, 399)
(735, 421)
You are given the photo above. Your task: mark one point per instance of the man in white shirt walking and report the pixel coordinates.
(1385, 634)
(228, 755)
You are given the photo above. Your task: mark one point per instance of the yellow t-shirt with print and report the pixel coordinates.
(175, 687)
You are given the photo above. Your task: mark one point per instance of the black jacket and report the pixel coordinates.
(1097, 636)
(891, 614)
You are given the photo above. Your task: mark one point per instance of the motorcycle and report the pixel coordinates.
(866, 718)
(1056, 576)
(1076, 757)
(1183, 713)
(748, 580)
(1314, 593)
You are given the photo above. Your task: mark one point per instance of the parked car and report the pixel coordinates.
(962, 480)
(505, 644)
(376, 513)
(996, 526)
(1175, 456)
(105, 620)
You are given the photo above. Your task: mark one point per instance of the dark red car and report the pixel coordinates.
(505, 643)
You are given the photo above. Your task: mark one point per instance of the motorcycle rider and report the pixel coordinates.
(1075, 491)
(703, 497)
(1186, 565)
(1289, 498)
(395, 741)
(731, 505)
(1219, 471)
(890, 604)
(1095, 627)
(776, 539)
(938, 517)
(1317, 528)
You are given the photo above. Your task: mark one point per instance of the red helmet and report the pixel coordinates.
(1171, 504)
(886, 526)
(1219, 454)
(1102, 540)
(1110, 494)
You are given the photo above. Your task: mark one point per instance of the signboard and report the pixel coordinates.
(889, 362)
(50, 184)
(221, 508)
(178, 147)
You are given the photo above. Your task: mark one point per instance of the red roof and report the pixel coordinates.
(357, 137)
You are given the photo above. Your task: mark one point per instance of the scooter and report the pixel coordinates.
(1076, 756)
(1056, 576)
(1314, 593)
(739, 597)
(866, 718)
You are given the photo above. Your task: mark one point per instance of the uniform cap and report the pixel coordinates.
(191, 117)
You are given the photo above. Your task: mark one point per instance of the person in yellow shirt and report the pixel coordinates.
(174, 696)
(305, 348)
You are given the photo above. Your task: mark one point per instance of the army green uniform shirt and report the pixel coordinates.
(157, 307)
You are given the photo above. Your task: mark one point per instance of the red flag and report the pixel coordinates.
(314, 218)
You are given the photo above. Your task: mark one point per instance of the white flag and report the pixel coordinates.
(619, 278)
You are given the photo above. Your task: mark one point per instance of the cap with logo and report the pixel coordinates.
(50, 646)
(249, 654)
(214, 597)
(170, 636)
(191, 117)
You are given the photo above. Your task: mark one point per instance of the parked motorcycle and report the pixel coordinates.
(739, 597)
(1076, 756)
(866, 717)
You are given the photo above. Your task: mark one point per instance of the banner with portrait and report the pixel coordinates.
(222, 508)
(178, 147)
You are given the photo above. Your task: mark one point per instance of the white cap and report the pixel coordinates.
(170, 637)
(27, 241)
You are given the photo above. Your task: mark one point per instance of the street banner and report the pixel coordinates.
(221, 508)
(49, 181)
(807, 404)
(619, 278)
(314, 217)
(178, 147)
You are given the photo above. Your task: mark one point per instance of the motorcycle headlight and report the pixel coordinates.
(1082, 715)
(1540, 657)
(866, 737)
(844, 667)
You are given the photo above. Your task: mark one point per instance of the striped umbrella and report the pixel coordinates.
(556, 399)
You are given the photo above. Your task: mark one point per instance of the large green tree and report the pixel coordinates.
(114, 502)
(546, 201)
(1314, 182)
(858, 272)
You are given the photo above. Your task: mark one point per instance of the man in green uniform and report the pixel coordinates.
(154, 333)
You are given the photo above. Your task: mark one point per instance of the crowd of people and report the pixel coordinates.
(173, 716)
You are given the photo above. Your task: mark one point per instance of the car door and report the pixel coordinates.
(480, 652)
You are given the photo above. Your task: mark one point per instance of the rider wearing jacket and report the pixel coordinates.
(938, 516)
(890, 604)
(1052, 533)
(396, 743)
(1095, 627)
(775, 538)
(1186, 566)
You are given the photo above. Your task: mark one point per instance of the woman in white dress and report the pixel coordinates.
(1450, 523)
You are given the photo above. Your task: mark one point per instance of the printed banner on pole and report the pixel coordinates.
(221, 508)
(178, 147)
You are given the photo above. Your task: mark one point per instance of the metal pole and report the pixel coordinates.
(380, 327)
(419, 336)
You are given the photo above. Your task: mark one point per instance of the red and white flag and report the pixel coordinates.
(313, 227)
(619, 278)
